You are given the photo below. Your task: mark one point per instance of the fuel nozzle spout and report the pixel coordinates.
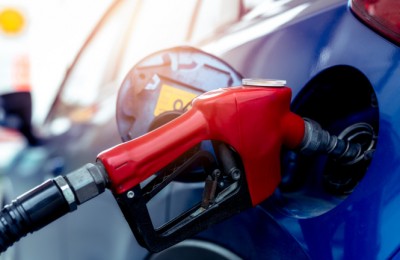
(319, 141)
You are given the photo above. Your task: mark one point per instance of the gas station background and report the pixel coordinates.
(35, 54)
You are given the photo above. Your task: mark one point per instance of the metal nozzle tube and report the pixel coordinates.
(317, 140)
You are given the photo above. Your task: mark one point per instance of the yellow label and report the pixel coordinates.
(172, 98)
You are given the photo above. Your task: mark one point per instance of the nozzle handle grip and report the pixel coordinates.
(132, 162)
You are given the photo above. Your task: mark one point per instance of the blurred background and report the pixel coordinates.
(42, 42)
(70, 58)
(38, 40)
(63, 61)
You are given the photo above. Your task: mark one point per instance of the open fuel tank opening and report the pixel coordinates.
(342, 100)
(162, 85)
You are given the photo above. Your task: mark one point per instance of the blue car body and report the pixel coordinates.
(299, 223)
(364, 225)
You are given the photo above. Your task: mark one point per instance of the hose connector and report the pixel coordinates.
(86, 182)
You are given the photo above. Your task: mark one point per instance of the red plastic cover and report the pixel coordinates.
(255, 121)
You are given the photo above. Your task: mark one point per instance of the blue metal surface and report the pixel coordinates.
(366, 224)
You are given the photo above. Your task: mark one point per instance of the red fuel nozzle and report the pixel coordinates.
(254, 121)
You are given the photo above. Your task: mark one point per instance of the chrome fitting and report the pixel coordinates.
(274, 83)
(87, 182)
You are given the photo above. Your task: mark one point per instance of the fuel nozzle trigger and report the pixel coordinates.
(223, 196)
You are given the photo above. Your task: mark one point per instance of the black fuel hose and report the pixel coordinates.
(49, 201)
